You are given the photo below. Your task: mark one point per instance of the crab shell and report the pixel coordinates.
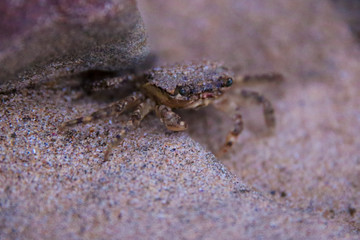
(187, 85)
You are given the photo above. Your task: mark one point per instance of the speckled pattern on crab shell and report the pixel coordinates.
(190, 73)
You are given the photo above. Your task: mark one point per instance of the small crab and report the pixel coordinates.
(182, 86)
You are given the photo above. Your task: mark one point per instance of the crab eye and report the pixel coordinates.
(225, 82)
(228, 82)
(184, 91)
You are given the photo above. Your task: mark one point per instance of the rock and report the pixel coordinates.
(157, 184)
(44, 39)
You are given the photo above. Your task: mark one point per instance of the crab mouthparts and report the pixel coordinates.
(207, 95)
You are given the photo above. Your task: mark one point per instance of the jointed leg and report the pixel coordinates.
(248, 97)
(232, 135)
(171, 120)
(256, 98)
(109, 83)
(116, 108)
(140, 112)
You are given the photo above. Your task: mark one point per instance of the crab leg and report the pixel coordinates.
(268, 110)
(136, 117)
(116, 108)
(171, 120)
(110, 83)
(233, 134)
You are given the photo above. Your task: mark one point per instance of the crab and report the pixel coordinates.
(190, 85)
